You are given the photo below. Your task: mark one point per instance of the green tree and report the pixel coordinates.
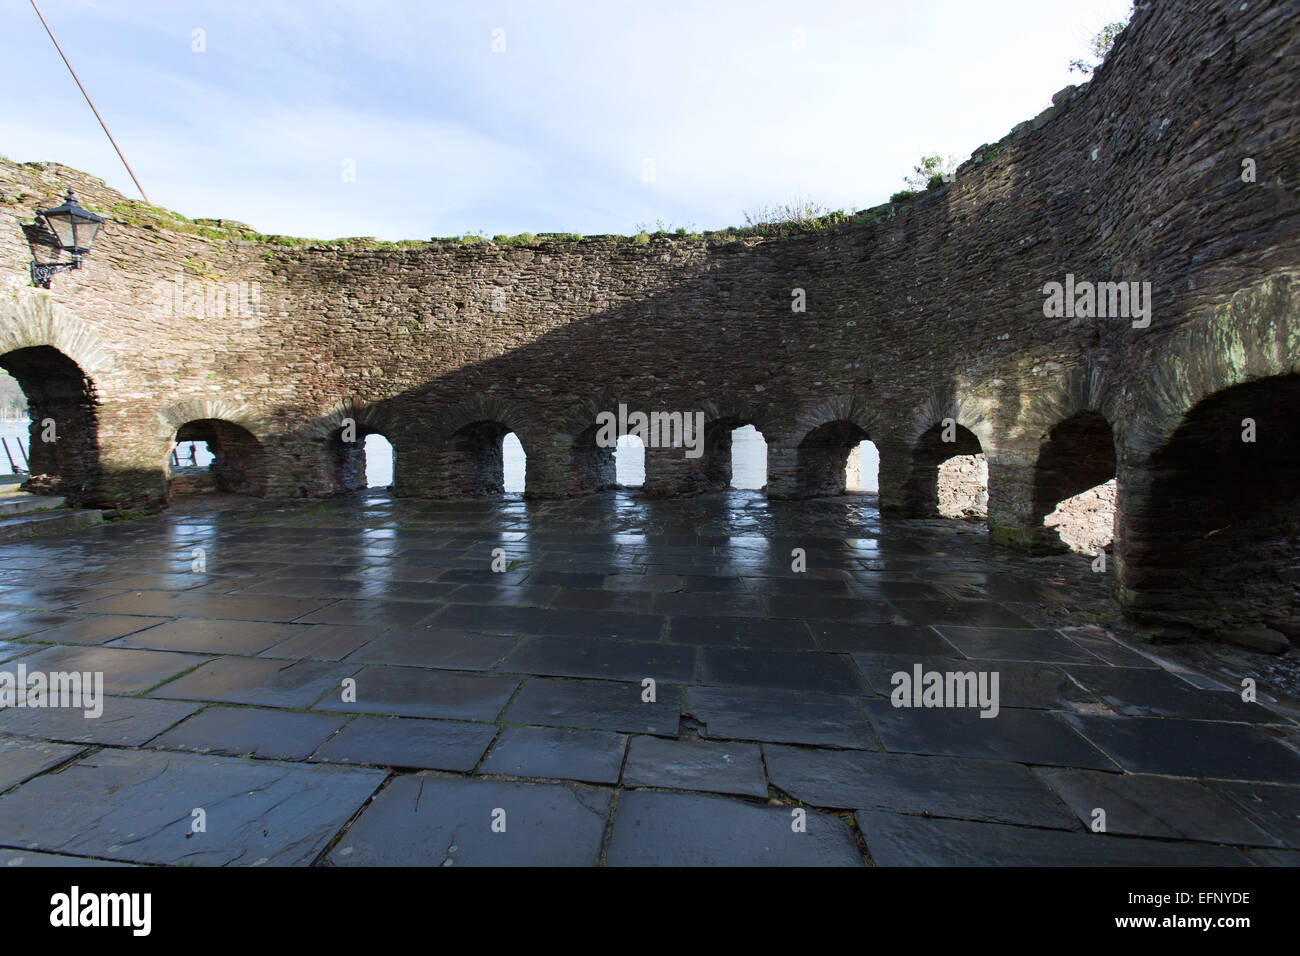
(932, 172)
(1101, 45)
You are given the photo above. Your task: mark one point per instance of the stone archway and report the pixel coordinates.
(1206, 531)
(240, 462)
(827, 436)
(469, 460)
(344, 432)
(933, 490)
(1074, 482)
(1217, 540)
(56, 360)
(63, 437)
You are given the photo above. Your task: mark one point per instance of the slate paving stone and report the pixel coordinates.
(986, 790)
(1191, 748)
(876, 590)
(373, 613)
(790, 670)
(780, 716)
(211, 637)
(1023, 736)
(96, 629)
(1200, 681)
(699, 604)
(677, 829)
(715, 584)
(1021, 684)
(1016, 644)
(574, 599)
(880, 639)
(1273, 807)
(125, 721)
(1140, 692)
(596, 705)
(323, 642)
(566, 579)
(23, 759)
(392, 572)
(706, 765)
(55, 597)
(26, 623)
(251, 731)
(612, 625)
(169, 582)
(425, 692)
(802, 587)
(1109, 650)
(481, 575)
(610, 660)
(644, 582)
(32, 858)
(10, 649)
(408, 742)
(740, 632)
(896, 840)
(263, 812)
(856, 610)
(322, 587)
(1154, 806)
(242, 607)
(1274, 857)
(499, 594)
(425, 647)
(422, 820)
(561, 753)
(125, 671)
(258, 681)
(973, 613)
(994, 587)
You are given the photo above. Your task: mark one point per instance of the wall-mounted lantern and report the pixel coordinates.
(75, 228)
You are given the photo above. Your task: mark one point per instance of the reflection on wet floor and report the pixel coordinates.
(709, 662)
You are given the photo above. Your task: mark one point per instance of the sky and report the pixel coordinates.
(409, 119)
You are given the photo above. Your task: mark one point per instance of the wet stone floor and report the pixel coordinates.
(349, 682)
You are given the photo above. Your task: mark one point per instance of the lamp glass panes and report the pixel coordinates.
(75, 226)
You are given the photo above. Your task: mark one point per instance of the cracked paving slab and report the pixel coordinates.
(137, 806)
(422, 820)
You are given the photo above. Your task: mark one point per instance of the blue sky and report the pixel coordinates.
(733, 106)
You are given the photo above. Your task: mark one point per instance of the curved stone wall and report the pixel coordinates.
(929, 315)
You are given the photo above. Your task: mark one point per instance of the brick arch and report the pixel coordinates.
(1211, 522)
(1206, 521)
(370, 417)
(516, 418)
(1076, 391)
(587, 467)
(961, 405)
(712, 471)
(173, 416)
(1071, 426)
(234, 437)
(974, 435)
(346, 462)
(35, 320)
(466, 454)
(1255, 335)
(826, 435)
(734, 408)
